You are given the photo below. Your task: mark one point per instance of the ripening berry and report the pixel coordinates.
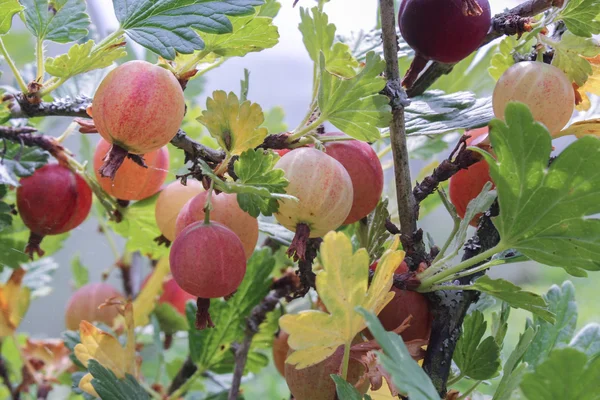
(440, 30)
(225, 211)
(280, 351)
(84, 303)
(545, 89)
(208, 260)
(466, 184)
(132, 181)
(363, 166)
(323, 188)
(172, 294)
(170, 202)
(52, 201)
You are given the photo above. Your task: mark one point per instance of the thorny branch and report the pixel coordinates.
(406, 202)
(508, 23)
(27, 137)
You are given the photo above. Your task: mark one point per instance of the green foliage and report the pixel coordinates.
(139, 228)
(275, 120)
(407, 375)
(475, 358)
(503, 58)
(108, 386)
(82, 58)
(546, 212)
(251, 33)
(580, 17)
(587, 340)
(8, 8)
(210, 347)
(373, 235)
(255, 168)
(79, 272)
(514, 368)
(354, 106)
(469, 74)
(346, 390)
(19, 162)
(569, 53)
(39, 276)
(514, 296)
(318, 36)
(435, 112)
(566, 374)
(169, 319)
(561, 302)
(170, 26)
(59, 21)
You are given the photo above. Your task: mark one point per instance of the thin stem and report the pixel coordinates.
(385, 151)
(109, 238)
(184, 388)
(404, 196)
(39, 52)
(152, 392)
(188, 66)
(208, 206)
(52, 86)
(435, 288)
(455, 218)
(469, 391)
(439, 277)
(13, 67)
(472, 271)
(346, 361)
(211, 67)
(455, 380)
(303, 131)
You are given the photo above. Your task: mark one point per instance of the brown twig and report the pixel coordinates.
(505, 23)
(187, 370)
(283, 287)
(398, 100)
(26, 136)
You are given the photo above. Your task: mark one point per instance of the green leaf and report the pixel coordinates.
(8, 8)
(503, 59)
(425, 147)
(374, 233)
(514, 296)
(170, 319)
(565, 375)
(588, 340)
(318, 36)
(249, 34)
(569, 53)
(561, 301)
(20, 162)
(500, 323)
(139, 228)
(354, 106)
(270, 9)
(81, 58)
(547, 213)
(209, 347)
(275, 120)
(476, 359)
(276, 232)
(5, 215)
(435, 112)
(513, 368)
(79, 272)
(256, 168)
(60, 21)
(108, 386)
(345, 390)
(580, 16)
(479, 204)
(408, 377)
(170, 26)
(39, 276)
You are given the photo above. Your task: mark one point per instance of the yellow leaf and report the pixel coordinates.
(85, 384)
(14, 302)
(582, 128)
(235, 126)
(342, 286)
(145, 302)
(106, 349)
(592, 85)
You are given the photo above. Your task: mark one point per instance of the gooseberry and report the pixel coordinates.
(172, 294)
(84, 303)
(280, 351)
(170, 202)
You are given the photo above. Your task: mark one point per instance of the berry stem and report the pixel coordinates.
(208, 206)
(346, 360)
(39, 52)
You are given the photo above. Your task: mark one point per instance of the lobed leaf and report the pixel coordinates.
(547, 213)
(475, 358)
(580, 17)
(355, 106)
(514, 369)
(8, 8)
(109, 386)
(588, 340)
(82, 58)
(561, 302)
(569, 56)
(59, 21)
(169, 26)
(342, 286)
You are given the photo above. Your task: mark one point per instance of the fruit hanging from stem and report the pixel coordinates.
(52, 201)
(170, 202)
